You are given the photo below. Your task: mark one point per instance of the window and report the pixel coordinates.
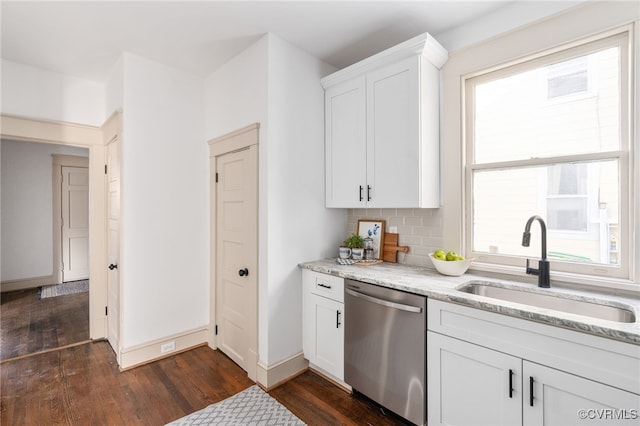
(567, 199)
(550, 136)
(567, 77)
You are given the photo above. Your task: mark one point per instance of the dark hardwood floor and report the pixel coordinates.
(29, 325)
(82, 385)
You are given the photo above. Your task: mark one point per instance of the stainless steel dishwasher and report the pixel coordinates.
(385, 347)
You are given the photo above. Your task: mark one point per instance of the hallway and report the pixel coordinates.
(29, 324)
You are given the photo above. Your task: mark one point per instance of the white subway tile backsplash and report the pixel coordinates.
(420, 229)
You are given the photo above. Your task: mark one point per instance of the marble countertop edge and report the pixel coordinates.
(428, 282)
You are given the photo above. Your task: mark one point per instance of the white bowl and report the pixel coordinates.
(453, 268)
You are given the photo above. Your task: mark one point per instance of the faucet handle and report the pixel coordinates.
(531, 271)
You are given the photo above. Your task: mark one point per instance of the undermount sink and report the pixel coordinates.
(556, 303)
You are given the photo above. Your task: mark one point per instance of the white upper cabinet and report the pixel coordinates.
(346, 144)
(382, 129)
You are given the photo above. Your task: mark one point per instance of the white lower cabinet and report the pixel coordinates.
(554, 397)
(323, 322)
(469, 385)
(498, 370)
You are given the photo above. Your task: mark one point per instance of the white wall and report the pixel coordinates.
(278, 85)
(26, 226)
(301, 228)
(236, 96)
(509, 17)
(165, 203)
(36, 93)
(114, 88)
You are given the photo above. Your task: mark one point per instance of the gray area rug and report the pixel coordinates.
(252, 406)
(71, 287)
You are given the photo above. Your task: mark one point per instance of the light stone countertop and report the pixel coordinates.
(428, 282)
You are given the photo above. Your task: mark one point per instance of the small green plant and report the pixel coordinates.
(354, 241)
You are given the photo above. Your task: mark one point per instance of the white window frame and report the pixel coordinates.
(509, 264)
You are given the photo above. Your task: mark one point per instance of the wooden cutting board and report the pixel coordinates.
(391, 248)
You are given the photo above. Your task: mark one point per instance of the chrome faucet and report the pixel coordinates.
(543, 264)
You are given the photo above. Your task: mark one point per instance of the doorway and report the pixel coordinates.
(234, 246)
(45, 204)
(73, 135)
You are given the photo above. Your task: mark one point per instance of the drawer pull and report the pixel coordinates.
(324, 285)
(531, 391)
(510, 383)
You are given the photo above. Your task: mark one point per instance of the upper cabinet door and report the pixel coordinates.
(345, 144)
(393, 137)
(382, 135)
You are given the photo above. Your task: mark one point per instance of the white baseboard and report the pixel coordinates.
(27, 283)
(152, 351)
(271, 376)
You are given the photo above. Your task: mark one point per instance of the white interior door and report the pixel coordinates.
(113, 243)
(236, 254)
(75, 223)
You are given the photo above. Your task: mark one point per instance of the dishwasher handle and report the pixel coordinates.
(394, 305)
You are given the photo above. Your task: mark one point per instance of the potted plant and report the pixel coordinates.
(356, 244)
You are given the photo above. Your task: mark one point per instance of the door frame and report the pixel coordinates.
(69, 134)
(112, 133)
(243, 138)
(58, 162)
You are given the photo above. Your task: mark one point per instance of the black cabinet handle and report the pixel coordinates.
(531, 391)
(113, 266)
(338, 319)
(510, 383)
(243, 272)
(368, 192)
(324, 285)
(360, 192)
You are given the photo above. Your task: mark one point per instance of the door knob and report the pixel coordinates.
(243, 272)
(113, 266)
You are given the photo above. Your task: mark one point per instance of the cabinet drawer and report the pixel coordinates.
(324, 285)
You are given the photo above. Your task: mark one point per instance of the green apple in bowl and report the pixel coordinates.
(451, 256)
(440, 255)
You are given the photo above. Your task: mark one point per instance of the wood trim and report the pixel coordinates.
(269, 377)
(112, 127)
(234, 141)
(112, 132)
(246, 137)
(69, 134)
(26, 283)
(150, 351)
(59, 348)
(36, 130)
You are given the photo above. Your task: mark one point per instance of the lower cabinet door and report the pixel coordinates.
(471, 385)
(328, 328)
(553, 397)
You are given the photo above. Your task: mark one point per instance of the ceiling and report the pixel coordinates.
(85, 38)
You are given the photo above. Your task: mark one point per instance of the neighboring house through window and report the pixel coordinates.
(550, 135)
